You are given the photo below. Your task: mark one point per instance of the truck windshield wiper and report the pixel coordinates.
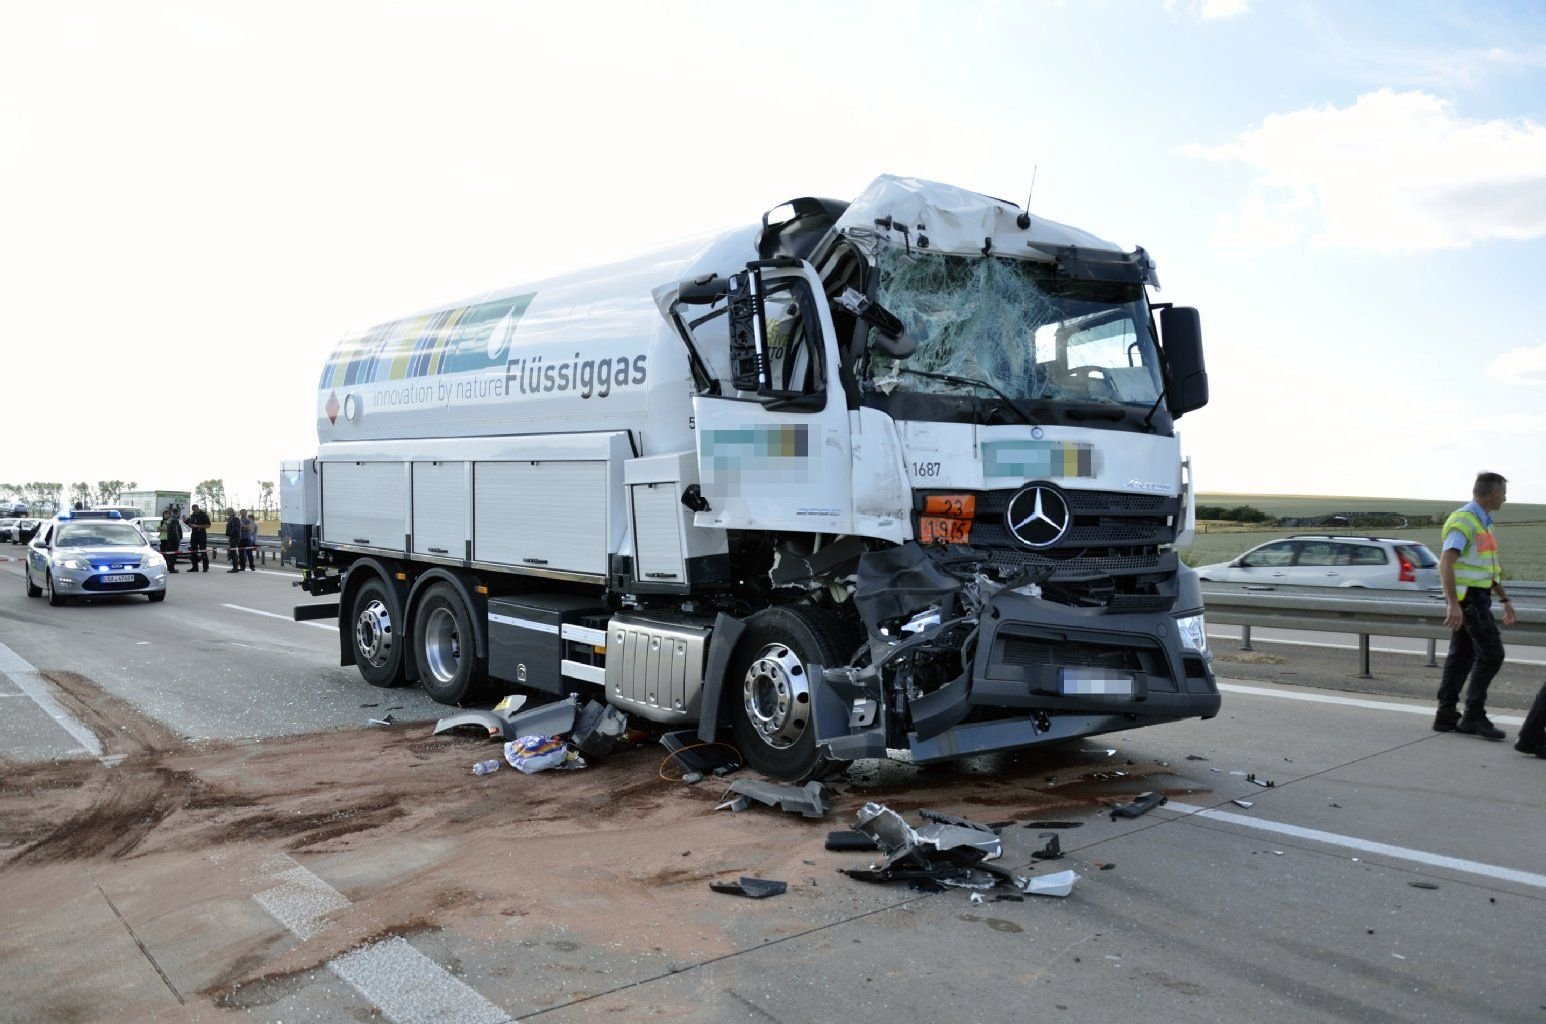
(972, 382)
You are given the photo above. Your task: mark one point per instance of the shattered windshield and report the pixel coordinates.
(1018, 325)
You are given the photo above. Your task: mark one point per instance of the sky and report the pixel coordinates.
(197, 200)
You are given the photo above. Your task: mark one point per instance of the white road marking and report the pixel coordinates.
(404, 984)
(281, 618)
(30, 682)
(1352, 702)
(1437, 860)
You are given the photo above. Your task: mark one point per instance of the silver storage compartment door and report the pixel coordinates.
(440, 509)
(365, 504)
(657, 532)
(542, 515)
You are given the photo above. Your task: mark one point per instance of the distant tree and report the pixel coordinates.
(211, 493)
(83, 494)
(266, 499)
(109, 491)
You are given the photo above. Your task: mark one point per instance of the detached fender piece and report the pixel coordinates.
(727, 630)
(496, 725)
(812, 800)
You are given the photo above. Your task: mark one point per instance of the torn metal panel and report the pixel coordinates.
(812, 800)
(849, 839)
(1052, 851)
(487, 721)
(597, 729)
(943, 818)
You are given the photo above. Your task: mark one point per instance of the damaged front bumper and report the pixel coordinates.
(1038, 671)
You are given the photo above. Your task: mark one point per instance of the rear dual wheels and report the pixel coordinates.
(443, 643)
(770, 692)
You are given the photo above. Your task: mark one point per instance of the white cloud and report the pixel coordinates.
(1520, 366)
(1209, 10)
(1395, 171)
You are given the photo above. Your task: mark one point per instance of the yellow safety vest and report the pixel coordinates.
(1477, 565)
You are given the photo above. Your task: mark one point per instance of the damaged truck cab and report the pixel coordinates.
(900, 473)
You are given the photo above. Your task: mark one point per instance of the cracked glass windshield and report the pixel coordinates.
(1018, 325)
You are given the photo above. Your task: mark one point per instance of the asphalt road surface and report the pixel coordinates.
(198, 823)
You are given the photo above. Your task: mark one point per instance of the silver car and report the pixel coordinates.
(93, 558)
(1324, 560)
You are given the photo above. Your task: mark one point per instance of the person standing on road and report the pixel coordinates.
(1471, 577)
(233, 540)
(171, 533)
(250, 540)
(198, 542)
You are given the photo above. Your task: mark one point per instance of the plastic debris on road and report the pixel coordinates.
(751, 888)
(1060, 884)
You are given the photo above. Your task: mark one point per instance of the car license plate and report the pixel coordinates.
(1086, 682)
(117, 579)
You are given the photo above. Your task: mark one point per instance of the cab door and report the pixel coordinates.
(774, 451)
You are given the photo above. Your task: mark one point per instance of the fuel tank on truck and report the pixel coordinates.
(588, 351)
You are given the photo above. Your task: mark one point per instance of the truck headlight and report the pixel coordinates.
(1194, 633)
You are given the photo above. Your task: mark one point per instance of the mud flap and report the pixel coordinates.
(727, 631)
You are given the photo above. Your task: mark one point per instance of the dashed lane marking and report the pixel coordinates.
(281, 618)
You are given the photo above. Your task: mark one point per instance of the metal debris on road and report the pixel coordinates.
(1247, 804)
(1053, 824)
(1052, 851)
(1263, 783)
(849, 839)
(1422, 885)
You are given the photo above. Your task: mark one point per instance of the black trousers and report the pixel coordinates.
(198, 547)
(1533, 732)
(169, 551)
(1475, 650)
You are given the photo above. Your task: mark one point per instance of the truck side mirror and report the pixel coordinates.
(702, 291)
(889, 334)
(1187, 373)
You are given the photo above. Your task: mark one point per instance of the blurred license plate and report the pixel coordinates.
(117, 579)
(1096, 681)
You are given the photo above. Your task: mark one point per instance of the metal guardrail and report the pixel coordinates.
(1369, 613)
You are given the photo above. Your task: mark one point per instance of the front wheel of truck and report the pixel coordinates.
(770, 691)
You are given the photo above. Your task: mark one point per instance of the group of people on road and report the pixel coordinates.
(1472, 580)
(241, 533)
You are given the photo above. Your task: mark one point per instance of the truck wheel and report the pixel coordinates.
(769, 690)
(377, 652)
(54, 597)
(443, 641)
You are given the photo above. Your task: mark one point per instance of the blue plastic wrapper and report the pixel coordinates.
(530, 754)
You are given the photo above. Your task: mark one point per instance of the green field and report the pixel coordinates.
(1521, 528)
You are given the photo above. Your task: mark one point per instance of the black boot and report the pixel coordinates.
(1446, 719)
(1477, 724)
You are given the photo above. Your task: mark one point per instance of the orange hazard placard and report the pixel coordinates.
(944, 530)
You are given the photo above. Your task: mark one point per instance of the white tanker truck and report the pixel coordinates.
(895, 473)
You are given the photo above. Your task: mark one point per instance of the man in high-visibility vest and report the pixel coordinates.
(1471, 578)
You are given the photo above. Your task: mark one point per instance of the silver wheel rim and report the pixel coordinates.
(373, 634)
(442, 645)
(776, 693)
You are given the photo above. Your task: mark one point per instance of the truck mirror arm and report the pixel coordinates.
(893, 338)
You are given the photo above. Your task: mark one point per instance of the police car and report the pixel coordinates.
(92, 554)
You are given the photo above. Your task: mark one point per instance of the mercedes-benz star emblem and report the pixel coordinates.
(1038, 516)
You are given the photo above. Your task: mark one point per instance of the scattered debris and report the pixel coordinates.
(555, 719)
(850, 839)
(1145, 803)
(381, 721)
(737, 805)
(692, 756)
(751, 888)
(1336, 805)
(1102, 865)
(377, 704)
(1247, 804)
(1053, 824)
(1237, 773)
(946, 854)
(531, 754)
(1052, 851)
(925, 886)
(1060, 884)
(977, 898)
(1195, 757)
(812, 800)
(486, 721)
(511, 704)
(1422, 885)
(597, 729)
(1277, 853)
(1263, 783)
(692, 778)
(941, 818)
(485, 767)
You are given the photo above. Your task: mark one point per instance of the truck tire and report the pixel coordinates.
(378, 650)
(768, 690)
(444, 646)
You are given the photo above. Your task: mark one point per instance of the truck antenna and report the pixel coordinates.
(1024, 220)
